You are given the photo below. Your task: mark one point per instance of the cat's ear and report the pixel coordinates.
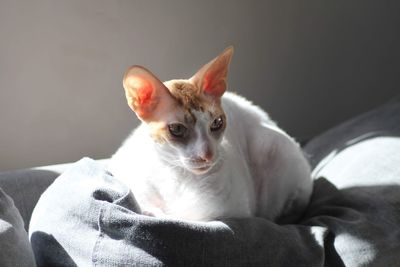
(212, 77)
(147, 96)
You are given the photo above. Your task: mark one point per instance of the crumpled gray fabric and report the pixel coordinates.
(357, 188)
(15, 249)
(87, 217)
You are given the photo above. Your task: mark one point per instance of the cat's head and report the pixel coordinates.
(185, 117)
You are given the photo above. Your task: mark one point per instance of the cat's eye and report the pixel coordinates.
(177, 130)
(217, 124)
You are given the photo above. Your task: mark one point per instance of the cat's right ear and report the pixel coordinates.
(146, 95)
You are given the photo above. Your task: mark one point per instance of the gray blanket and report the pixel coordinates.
(87, 217)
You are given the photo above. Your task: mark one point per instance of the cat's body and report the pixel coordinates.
(248, 166)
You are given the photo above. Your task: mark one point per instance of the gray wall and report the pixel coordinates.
(311, 64)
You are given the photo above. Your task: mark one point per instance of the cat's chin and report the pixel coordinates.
(200, 170)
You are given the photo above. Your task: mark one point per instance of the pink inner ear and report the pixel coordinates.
(144, 90)
(207, 86)
(144, 94)
(213, 85)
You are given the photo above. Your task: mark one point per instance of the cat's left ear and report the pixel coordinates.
(212, 77)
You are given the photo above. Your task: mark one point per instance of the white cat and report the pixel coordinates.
(203, 154)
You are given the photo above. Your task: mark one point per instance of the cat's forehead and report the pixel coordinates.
(187, 94)
(192, 100)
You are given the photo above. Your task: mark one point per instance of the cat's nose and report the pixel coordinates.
(206, 157)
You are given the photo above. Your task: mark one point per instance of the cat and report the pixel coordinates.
(202, 154)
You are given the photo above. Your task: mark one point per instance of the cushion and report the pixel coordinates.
(382, 121)
(357, 188)
(15, 249)
(87, 217)
(25, 188)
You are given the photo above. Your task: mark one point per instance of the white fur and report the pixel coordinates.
(259, 171)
